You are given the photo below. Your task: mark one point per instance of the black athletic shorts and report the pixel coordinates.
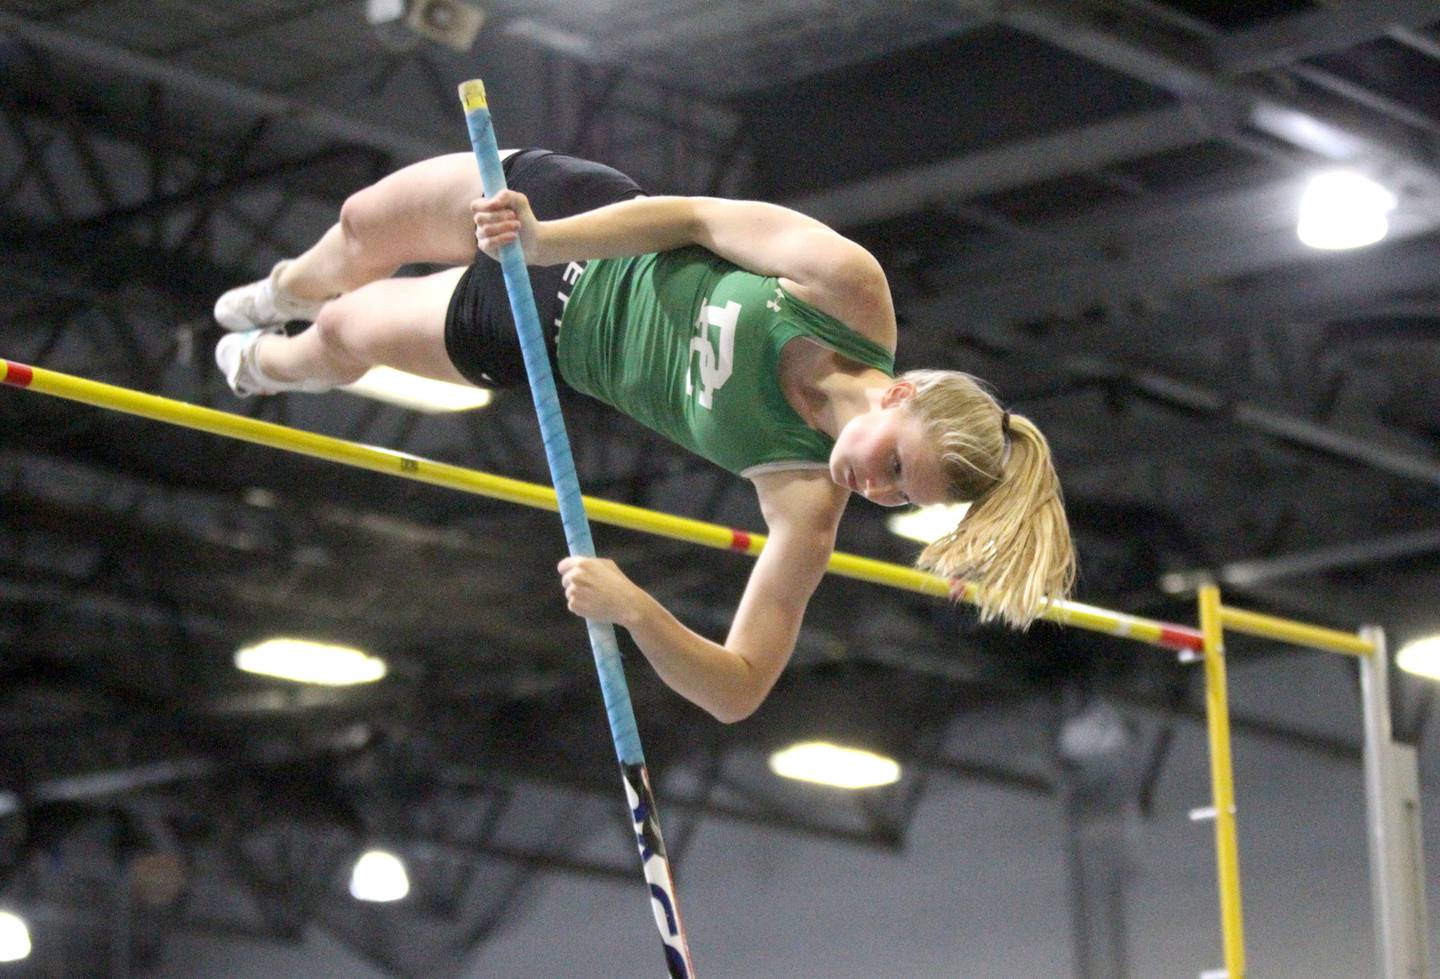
(480, 335)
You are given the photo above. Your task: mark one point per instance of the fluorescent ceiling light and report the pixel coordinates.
(379, 876)
(830, 764)
(418, 393)
(384, 11)
(927, 523)
(310, 662)
(1305, 130)
(1344, 210)
(14, 938)
(576, 45)
(1421, 657)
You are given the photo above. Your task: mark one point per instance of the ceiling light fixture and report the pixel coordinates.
(1421, 657)
(830, 764)
(1344, 209)
(310, 662)
(927, 523)
(399, 24)
(14, 937)
(418, 393)
(453, 23)
(379, 876)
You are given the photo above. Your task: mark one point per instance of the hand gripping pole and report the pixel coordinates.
(653, 857)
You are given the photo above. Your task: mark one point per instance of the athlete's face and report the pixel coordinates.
(884, 455)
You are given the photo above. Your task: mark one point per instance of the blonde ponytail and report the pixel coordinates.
(1014, 542)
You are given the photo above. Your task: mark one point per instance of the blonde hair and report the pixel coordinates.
(1014, 542)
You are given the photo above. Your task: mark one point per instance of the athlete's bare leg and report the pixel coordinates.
(420, 213)
(397, 323)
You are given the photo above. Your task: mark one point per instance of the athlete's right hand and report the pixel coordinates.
(503, 219)
(596, 588)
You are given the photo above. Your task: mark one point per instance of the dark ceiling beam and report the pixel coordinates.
(1180, 62)
(1384, 105)
(1015, 164)
(775, 48)
(1144, 251)
(1189, 397)
(1282, 426)
(93, 786)
(1352, 287)
(74, 125)
(992, 774)
(1287, 42)
(1282, 41)
(1354, 554)
(531, 858)
(191, 552)
(329, 706)
(704, 805)
(81, 49)
(1213, 109)
(97, 624)
(33, 151)
(159, 151)
(35, 257)
(1119, 227)
(205, 191)
(1260, 728)
(79, 601)
(264, 20)
(1416, 41)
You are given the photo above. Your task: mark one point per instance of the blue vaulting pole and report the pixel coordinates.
(613, 688)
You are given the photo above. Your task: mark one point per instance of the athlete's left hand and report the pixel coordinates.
(503, 219)
(596, 588)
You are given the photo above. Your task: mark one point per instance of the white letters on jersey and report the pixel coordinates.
(716, 362)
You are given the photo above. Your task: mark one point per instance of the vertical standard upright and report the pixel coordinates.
(1222, 784)
(616, 693)
(1392, 803)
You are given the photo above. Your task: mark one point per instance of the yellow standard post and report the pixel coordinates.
(1222, 783)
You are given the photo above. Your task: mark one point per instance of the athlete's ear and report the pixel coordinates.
(897, 392)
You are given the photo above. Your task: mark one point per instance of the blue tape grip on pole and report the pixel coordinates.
(653, 857)
(552, 427)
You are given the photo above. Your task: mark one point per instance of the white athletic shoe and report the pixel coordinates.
(235, 356)
(262, 304)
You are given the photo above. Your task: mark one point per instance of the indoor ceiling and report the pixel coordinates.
(1091, 204)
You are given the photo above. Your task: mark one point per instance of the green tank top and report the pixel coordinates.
(689, 344)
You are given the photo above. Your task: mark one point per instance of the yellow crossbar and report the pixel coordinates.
(391, 463)
(1299, 633)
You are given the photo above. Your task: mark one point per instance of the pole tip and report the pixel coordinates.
(472, 95)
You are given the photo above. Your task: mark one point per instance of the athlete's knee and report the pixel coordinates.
(375, 222)
(339, 328)
(360, 217)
